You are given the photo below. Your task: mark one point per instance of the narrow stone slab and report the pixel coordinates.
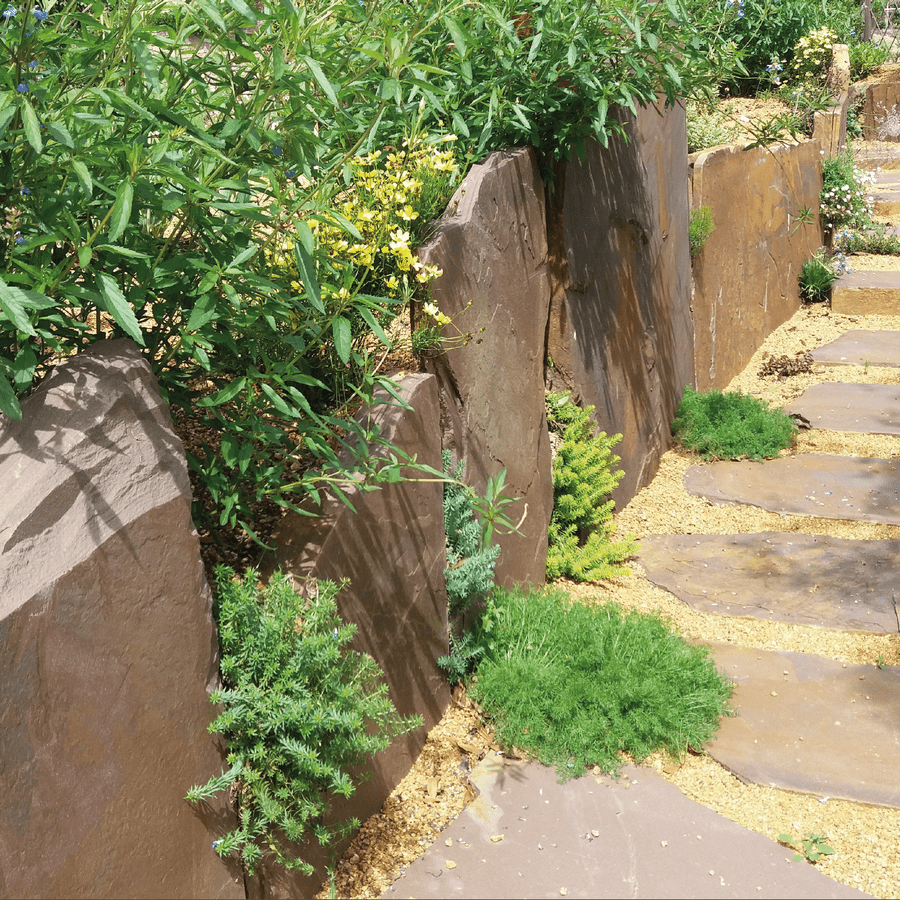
(864, 292)
(885, 178)
(873, 408)
(885, 203)
(814, 484)
(806, 579)
(811, 724)
(859, 347)
(526, 835)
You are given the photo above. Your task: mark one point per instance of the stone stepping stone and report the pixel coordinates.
(861, 346)
(812, 484)
(808, 723)
(864, 292)
(804, 579)
(872, 408)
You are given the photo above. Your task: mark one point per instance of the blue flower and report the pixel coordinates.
(33, 64)
(277, 151)
(22, 88)
(25, 192)
(39, 14)
(290, 173)
(9, 12)
(19, 238)
(216, 843)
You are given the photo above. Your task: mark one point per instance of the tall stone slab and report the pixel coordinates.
(746, 279)
(107, 646)
(492, 247)
(393, 551)
(620, 334)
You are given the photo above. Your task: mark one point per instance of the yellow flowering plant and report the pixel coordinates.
(812, 56)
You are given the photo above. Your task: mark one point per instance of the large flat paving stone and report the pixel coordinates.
(866, 292)
(873, 408)
(812, 484)
(526, 835)
(811, 724)
(806, 579)
(861, 346)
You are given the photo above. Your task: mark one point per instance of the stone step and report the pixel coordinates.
(878, 156)
(885, 203)
(863, 292)
(860, 347)
(813, 580)
(823, 485)
(870, 408)
(811, 724)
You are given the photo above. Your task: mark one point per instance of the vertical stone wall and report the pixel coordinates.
(746, 277)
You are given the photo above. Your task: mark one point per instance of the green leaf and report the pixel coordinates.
(244, 10)
(147, 64)
(84, 256)
(321, 80)
(204, 311)
(456, 32)
(84, 177)
(277, 401)
(60, 133)
(32, 128)
(278, 62)
(119, 308)
(229, 449)
(340, 328)
(389, 89)
(226, 394)
(9, 405)
(121, 211)
(307, 270)
(211, 11)
(6, 116)
(372, 322)
(11, 305)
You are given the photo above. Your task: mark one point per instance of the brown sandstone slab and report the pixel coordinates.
(834, 487)
(865, 292)
(859, 347)
(808, 579)
(872, 408)
(811, 724)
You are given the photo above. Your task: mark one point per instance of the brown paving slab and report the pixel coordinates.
(861, 346)
(807, 579)
(814, 484)
(811, 724)
(866, 292)
(638, 837)
(873, 408)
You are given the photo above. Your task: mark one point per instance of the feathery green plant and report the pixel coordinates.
(581, 543)
(721, 425)
(576, 685)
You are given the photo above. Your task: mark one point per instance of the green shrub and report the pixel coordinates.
(708, 126)
(816, 280)
(865, 58)
(300, 710)
(577, 685)
(812, 58)
(721, 425)
(874, 240)
(581, 543)
(843, 202)
(700, 227)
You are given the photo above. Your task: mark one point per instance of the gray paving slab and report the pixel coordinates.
(816, 580)
(811, 724)
(861, 346)
(813, 484)
(871, 408)
(638, 837)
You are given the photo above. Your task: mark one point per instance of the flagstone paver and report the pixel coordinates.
(861, 347)
(806, 579)
(866, 292)
(872, 408)
(812, 724)
(526, 835)
(825, 485)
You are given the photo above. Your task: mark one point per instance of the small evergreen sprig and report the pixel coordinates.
(581, 543)
(300, 710)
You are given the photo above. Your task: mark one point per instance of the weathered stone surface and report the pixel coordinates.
(108, 646)
(833, 487)
(808, 579)
(746, 277)
(881, 119)
(620, 333)
(393, 551)
(861, 347)
(492, 248)
(808, 723)
(873, 408)
(866, 293)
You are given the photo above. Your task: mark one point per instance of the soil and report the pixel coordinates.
(863, 837)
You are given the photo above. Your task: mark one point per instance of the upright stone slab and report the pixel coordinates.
(491, 245)
(392, 549)
(107, 646)
(620, 334)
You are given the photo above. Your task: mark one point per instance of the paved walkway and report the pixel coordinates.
(804, 722)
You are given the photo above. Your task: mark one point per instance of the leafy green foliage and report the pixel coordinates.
(577, 685)
(721, 425)
(842, 201)
(709, 125)
(300, 710)
(865, 58)
(811, 848)
(816, 280)
(812, 57)
(581, 543)
(700, 227)
(874, 240)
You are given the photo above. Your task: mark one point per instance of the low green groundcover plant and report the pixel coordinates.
(817, 277)
(577, 685)
(721, 425)
(299, 710)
